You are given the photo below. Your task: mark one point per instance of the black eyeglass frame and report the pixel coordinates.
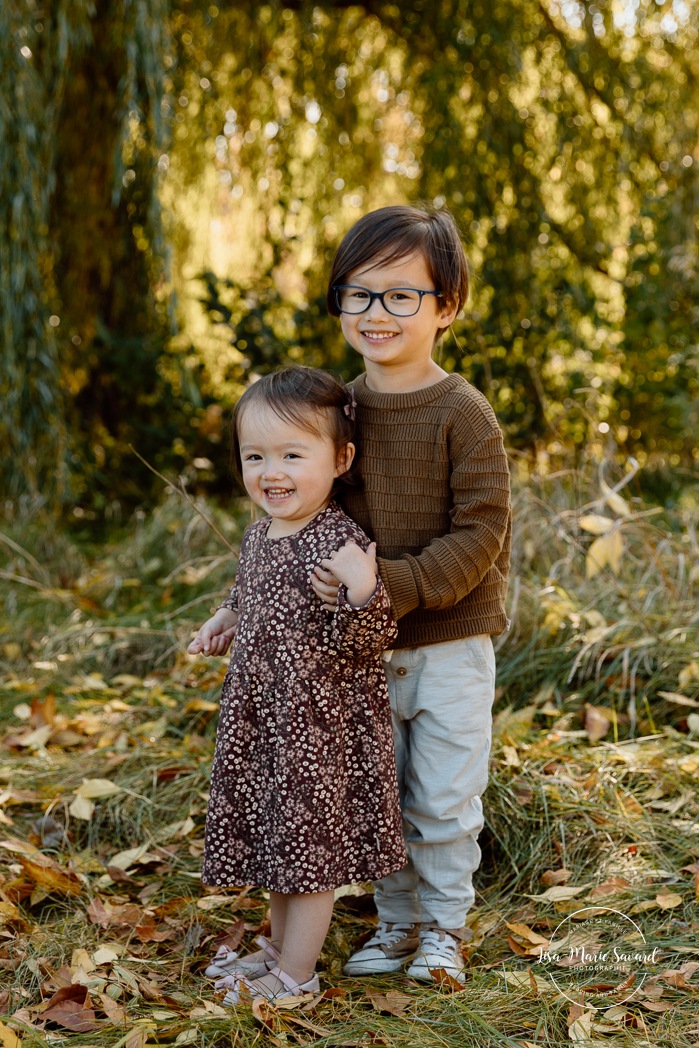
(336, 288)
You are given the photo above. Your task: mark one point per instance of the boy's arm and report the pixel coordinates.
(453, 564)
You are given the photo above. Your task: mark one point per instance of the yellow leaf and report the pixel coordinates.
(596, 524)
(668, 900)
(689, 674)
(82, 808)
(81, 959)
(615, 501)
(604, 551)
(8, 1038)
(97, 788)
(9, 912)
(525, 932)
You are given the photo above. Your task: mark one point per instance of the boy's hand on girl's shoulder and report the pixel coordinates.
(355, 569)
(215, 636)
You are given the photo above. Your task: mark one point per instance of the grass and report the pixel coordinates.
(593, 787)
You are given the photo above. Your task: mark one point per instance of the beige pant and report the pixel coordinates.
(441, 701)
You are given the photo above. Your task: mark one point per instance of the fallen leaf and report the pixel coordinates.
(71, 1008)
(679, 700)
(668, 900)
(82, 959)
(116, 1013)
(107, 954)
(49, 874)
(525, 932)
(97, 789)
(207, 1009)
(123, 859)
(553, 877)
(613, 886)
(393, 1002)
(559, 893)
(8, 1038)
(581, 1028)
(596, 724)
(82, 808)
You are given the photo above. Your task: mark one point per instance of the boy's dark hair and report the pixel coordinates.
(399, 231)
(307, 397)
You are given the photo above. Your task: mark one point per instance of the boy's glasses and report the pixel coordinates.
(399, 301)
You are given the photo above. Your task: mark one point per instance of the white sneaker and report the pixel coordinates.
(437, 950)
(387, 950)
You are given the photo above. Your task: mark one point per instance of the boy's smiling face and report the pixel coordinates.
(397, 351)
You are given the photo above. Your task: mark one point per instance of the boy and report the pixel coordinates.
(434, 494)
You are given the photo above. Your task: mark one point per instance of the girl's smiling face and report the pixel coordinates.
(389, 343)
(288, 470)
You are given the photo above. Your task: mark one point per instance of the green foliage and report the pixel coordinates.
(544, 131)
(240, 142)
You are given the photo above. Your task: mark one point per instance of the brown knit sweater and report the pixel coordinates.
(434, 493)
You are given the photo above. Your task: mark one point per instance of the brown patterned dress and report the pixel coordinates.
(303, 787)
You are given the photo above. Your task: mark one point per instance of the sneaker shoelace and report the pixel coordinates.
(433, 941)
(385, 936)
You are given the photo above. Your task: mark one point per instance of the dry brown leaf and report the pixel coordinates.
(550, 878)
(71, 1008)
(116, 1013)
(393, 1003)
(525, 932)
(49, 874)
(613, 886)
(656, 1006)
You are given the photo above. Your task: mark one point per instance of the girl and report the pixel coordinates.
(303, 789)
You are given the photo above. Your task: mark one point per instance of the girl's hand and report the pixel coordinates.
(356, 570)
(215, 636)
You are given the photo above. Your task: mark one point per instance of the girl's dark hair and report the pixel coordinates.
(396, 232)
(310, 398)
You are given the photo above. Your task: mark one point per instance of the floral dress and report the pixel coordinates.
(303, 791)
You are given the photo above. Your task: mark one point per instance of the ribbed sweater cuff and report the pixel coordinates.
(400, 583)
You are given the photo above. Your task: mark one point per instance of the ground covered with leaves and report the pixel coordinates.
(107, 732)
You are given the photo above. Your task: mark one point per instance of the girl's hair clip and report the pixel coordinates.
(350, 407)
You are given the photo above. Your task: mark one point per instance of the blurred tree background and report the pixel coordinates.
(175, 176)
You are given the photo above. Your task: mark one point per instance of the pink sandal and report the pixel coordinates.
(233, 983)
(226, 961)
